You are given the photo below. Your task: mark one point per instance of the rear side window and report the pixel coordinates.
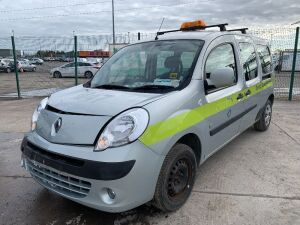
(265, 58)
(248, 60)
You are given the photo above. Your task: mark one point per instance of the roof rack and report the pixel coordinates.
(221, 26)
(243, 30)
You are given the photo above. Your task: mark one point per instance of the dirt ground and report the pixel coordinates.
(253, 180)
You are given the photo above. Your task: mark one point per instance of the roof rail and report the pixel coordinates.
(243, 30)
(222, 27)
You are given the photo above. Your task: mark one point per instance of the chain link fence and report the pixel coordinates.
(46, 64)
(282, 42)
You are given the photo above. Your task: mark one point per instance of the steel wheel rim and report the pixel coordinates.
(179, 178)
(268, 114)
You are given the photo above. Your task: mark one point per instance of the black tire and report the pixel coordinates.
(176, 179)
(33, 69)
(57, 74)
(88, 74)
(8, 70)
(265, 120)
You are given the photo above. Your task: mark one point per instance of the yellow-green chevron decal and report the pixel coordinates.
(171, 126)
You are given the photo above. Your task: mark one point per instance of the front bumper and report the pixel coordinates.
(78, 173)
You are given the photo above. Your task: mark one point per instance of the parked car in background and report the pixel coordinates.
(6, 65)
(85, 69)
(49, 59)
(36, 61)
(26, 66)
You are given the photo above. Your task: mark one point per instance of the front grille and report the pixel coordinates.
(56, 181)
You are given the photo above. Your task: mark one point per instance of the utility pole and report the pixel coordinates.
(113, 20)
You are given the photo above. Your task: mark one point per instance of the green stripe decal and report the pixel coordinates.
(171, 126)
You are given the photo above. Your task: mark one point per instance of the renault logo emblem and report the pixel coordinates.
(56, 126)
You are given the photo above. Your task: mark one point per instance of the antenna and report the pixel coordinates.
(159, 28)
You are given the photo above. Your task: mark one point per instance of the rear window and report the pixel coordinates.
(265, 58)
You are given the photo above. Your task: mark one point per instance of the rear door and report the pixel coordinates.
(252, 77)
(225, 104)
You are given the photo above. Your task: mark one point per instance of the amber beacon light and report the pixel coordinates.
(192, 24)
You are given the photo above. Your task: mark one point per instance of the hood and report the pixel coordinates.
(90, 101)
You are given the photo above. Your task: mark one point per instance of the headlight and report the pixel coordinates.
(123, 129)
(37, 112)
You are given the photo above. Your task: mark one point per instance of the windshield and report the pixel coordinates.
(152, 66)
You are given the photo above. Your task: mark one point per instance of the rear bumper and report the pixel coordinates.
(82, 175)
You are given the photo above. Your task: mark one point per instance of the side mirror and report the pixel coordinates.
(222, 77)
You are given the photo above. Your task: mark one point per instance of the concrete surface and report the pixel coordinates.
(253, 180)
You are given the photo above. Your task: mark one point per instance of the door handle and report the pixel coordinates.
(240, 97)
(248, 93)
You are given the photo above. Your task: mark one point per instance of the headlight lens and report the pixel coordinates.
(37, 112)
(124, 129)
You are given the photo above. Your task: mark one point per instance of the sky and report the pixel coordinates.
(51, 18)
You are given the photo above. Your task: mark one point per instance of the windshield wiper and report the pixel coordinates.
(153, 87)
(111, 86)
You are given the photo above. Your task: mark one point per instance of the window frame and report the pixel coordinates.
(207, 92)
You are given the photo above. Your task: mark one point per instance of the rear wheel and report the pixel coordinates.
(88, 74)
(8, 70)
(176, 178)
(57, 74)
(264, 122)
(33, 69)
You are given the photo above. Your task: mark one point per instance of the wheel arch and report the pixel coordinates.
(271, 98)
(194, 142)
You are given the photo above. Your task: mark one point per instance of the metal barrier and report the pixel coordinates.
(66, 59)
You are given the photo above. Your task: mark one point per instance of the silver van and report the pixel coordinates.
(155, 111)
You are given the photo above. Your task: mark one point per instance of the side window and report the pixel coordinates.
(70, 65)
(248, 60)
(220, 68)
(265, 58)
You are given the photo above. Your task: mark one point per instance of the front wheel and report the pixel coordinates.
(176, 179)
(57, 74)
(8, 70)
(264, 122)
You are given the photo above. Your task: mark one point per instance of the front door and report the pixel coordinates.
(224, 103)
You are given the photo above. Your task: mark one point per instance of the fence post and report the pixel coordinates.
(294, 65)
(15, 65)
(75, 60)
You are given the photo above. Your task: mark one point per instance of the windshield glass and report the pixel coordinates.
(151, 66)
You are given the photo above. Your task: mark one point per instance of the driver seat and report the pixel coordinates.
(174, 64)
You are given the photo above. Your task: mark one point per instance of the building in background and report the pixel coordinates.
(93, 54)
(9, 53)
